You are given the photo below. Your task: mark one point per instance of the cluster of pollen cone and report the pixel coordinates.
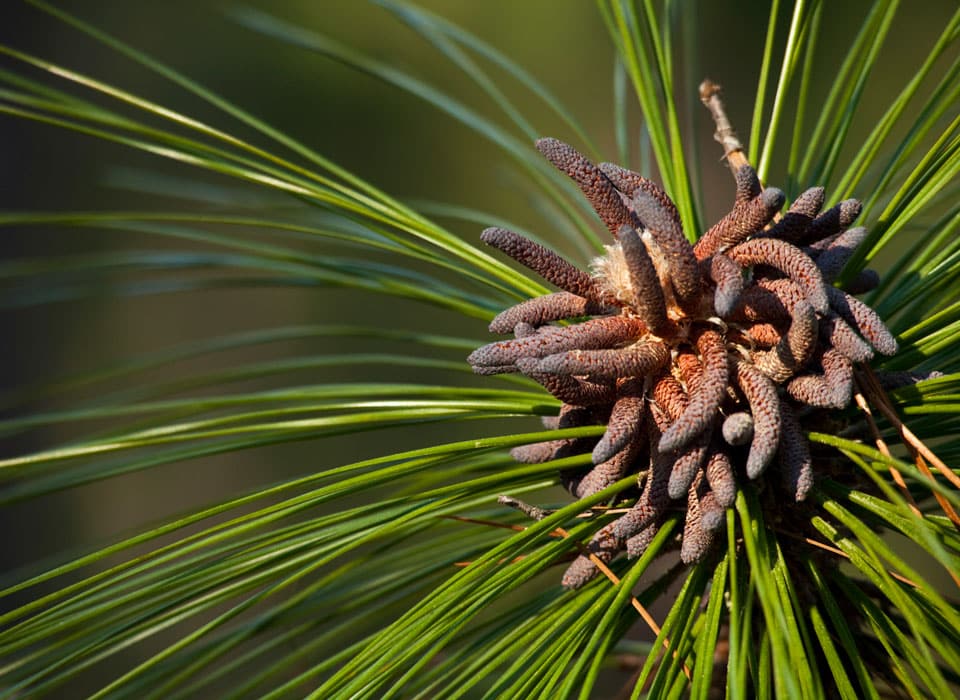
(704, 361)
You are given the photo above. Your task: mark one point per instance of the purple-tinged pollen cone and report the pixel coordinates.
(707, 363)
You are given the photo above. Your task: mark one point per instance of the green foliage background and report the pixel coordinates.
(239, 414)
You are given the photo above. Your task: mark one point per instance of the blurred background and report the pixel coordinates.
(392, 139)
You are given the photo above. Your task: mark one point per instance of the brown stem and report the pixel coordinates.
(871, 384)
(920, 452)
(883, 403)
(844, 555)
(724, 135)
(885, 451)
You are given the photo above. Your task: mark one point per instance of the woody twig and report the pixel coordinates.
(724, 135)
